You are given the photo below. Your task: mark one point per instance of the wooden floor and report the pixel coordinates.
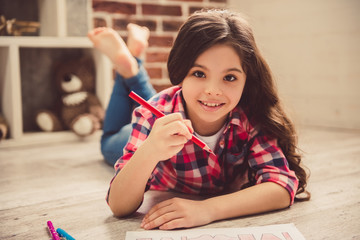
(67, 183)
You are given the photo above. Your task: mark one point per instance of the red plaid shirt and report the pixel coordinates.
(243, 156)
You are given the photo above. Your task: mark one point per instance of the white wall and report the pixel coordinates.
(313, 48)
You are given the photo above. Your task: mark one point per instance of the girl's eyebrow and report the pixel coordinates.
(200, 66)
(225, 71)
(233, 69)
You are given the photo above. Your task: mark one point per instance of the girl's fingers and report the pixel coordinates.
(161, 220)
(159, 215)
(188, 124)
(175, 223)
(177, 141)
(176, 213)
(160, 207)
(172, 129)
(171, 136)
(178, 128)
(175, 125)
(169, 118)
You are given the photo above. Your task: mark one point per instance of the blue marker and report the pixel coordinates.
(64, 234)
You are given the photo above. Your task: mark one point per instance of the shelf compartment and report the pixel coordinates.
(13, 77)
(58, 18)
(38, 87)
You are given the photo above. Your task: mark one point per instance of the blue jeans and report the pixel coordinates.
(117, 127)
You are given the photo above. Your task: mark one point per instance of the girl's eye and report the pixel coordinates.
(230, 78)
(199, 74)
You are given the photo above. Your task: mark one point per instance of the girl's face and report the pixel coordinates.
(213, 87)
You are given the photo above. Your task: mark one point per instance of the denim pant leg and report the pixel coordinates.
(117, 127)
(140, 84)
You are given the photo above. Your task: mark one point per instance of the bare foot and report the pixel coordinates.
(108, 41)
(138, 39)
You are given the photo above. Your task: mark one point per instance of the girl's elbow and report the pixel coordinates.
(285, 202)
(284, 199)
(118, 211)
(124, 208)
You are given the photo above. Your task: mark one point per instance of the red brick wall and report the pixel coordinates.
(163, 18)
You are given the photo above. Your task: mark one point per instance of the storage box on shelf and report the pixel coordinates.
(54, 37)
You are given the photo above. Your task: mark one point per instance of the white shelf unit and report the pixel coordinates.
(53, 36)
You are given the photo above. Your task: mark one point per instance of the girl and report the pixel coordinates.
(224, 93)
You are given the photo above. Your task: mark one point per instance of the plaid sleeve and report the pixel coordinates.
(142, 121)
(270, 165)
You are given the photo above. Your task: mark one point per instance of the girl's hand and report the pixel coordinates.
(177, 213)
(167, 137)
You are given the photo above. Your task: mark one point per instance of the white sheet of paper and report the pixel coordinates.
(270, 232)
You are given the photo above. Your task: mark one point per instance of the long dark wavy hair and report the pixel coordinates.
(260, 100)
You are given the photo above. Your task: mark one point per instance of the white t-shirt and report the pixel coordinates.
(212, 140)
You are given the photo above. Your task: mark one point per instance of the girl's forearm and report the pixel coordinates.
(127, 189)
(260, 198)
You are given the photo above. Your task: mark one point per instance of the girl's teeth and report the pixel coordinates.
(211, 104)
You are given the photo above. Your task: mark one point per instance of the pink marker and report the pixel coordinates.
(52, 231)
(159, 114)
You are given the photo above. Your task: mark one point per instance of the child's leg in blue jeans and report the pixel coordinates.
(131, 76)
(117, 127)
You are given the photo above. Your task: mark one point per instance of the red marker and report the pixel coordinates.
(159, 114)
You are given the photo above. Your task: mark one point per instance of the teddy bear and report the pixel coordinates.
(78, 108)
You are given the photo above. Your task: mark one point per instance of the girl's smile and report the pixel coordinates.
(213, 87)
(211, 106)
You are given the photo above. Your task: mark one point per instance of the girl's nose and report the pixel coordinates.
(212, 88)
